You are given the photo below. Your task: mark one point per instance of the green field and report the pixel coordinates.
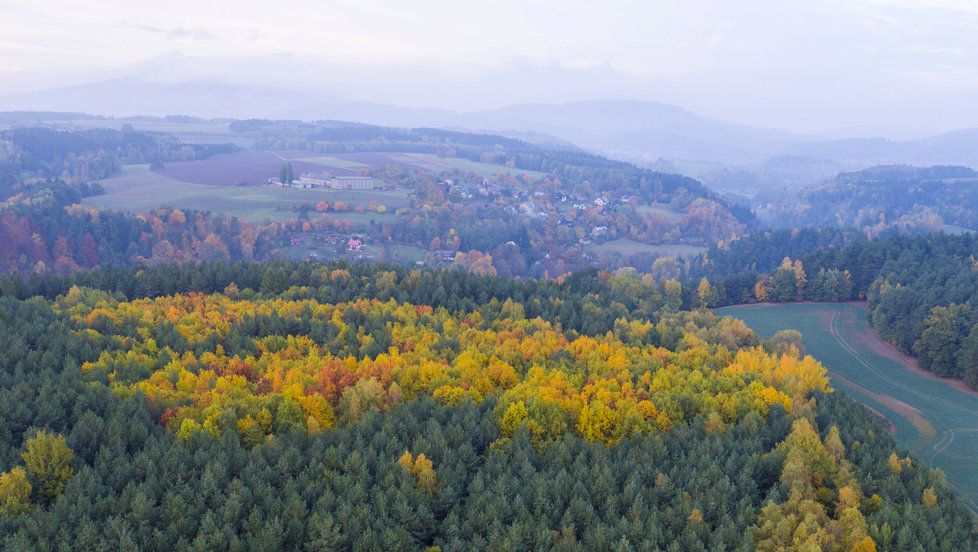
(660, 209)
(627, 247)
(433, 162)
(935, 420)
(397, 253)
(335, 162)
(137, 189)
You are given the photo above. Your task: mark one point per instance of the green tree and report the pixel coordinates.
(275, 281)
(945, 329)
(784, 284)
(968, 358)
(286, 175)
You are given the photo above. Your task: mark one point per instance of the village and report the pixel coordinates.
(583, 224)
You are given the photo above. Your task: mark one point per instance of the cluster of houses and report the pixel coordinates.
(530, 203)
(353, 244)
(446, 255)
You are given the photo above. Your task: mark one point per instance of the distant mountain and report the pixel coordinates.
(641, 130)
(629, 129)
(958, 147)
(877, 199)
(214, 99)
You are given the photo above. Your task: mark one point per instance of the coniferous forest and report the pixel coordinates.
(329, 407)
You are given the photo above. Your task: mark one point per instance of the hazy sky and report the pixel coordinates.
(808, 66)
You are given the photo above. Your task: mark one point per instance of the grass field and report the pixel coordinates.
(432, 162)
(660, 209)
(935, 420)
(138, 189)
(398, 253)
(627, 247)
(336, 163)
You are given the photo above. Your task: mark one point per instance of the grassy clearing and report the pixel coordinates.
(335, 163)
(138, 189)
(432, 162)
(398, 253)
(660, 209)
(933, 419)
(627, 247)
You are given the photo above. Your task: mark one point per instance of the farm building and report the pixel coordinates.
(335, 182)
(351, 182)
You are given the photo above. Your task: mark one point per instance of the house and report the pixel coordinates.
(354, 244)
(600, 202)
(296, 241)
(446, 255)
(599, 231)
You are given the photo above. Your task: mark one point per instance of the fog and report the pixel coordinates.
(896, 68)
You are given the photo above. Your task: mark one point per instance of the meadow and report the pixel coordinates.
(935, 419)
(627, 247)
(431, 162)
(137, 189)
(661, 210)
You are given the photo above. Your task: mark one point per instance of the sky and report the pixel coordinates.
(904, 66)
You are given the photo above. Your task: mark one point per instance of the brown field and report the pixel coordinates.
(234, 169)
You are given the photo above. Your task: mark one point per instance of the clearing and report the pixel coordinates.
(936, 419)
(662, 210)
(627, 247)
(137, 189)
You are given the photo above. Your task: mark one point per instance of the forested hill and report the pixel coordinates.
(45, 173)
(327, 406)
(32, 156)
(570, 164)
(896, 197)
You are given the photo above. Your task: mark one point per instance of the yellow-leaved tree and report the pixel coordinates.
(48, 460)
(15, 492)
